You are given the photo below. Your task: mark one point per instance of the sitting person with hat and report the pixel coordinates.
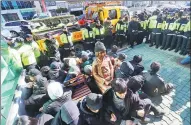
(58, 96)
(102, 68)
(91, 111)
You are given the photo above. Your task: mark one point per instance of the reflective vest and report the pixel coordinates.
(14, 54)
(27, 55)
(122, 27)
(36, 49)
(168, 26)
(87, 34)
(151, 22)
(179, 26)
(99, 31)
(66, 40)
(187, 27)
(143, 24)
(157, 25)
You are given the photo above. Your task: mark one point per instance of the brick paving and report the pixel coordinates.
(177, 103)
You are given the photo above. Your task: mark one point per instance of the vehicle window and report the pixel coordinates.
(124, 13)
(113, 14)
(76, 13)
(95, 15)
(16, 23)
(8, 24)
(24, 23)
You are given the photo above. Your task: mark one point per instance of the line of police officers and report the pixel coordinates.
(167, 30)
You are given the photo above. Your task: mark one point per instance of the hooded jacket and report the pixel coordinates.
(87, 117)
(68, 114)
(53, 106)
(125, 70)
(153, 81)
(57, 75)
(132, 103)
(138, 68)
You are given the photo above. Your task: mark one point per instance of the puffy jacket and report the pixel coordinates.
(124, 71)
(67, 115)
(89, 118)
(132, 103)
(138, 68)
(153, 81)
(53, 106)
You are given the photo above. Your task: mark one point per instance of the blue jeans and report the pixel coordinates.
(185, 60)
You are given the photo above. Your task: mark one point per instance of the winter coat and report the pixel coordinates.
(132, 103)
(124, 71)
(57, 75)
(87, 117)
(45, 119)
(133, 25)
(153, 81)
(138, 68)
(102, 71)
(68, 114)
(135, 83)
(53, 106)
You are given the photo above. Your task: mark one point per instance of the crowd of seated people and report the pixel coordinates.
(120, 90)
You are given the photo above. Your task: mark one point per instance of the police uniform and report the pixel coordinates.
(142, 31)
(27, 56)
(99, 31)
(168, 31)
(108, 40)
(150, 25)
(186, 39)
(133, 28)
(179, 31)
(156, 32)
(88, 38)
(67, 44)
(121, 29)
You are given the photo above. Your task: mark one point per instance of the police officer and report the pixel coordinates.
(67, 44)
(35, 47)
(142, 31)
(186, 39)
(108, 40)
(27, 55)
(99, 31)
(150, 25)
(179, 30)
(88, 38)
(133, 28)
(168, 30)
(120, 32)
(156, 32)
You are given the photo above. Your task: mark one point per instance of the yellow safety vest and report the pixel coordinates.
(99, 31)
(87, 34)
(27, 55)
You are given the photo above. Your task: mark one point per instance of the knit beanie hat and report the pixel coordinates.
(99, 46)
(55, 90)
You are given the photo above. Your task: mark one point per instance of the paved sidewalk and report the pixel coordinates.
(177, 103)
